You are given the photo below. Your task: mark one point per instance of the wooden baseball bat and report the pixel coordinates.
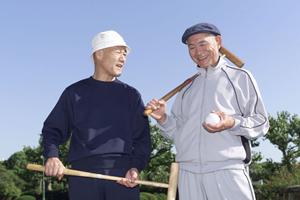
(173, 92)
(71, 172)
(230, 56)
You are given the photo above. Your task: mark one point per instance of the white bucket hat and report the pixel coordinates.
(108, 39)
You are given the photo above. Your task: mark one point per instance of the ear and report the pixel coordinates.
(219, 40)
(98, 55)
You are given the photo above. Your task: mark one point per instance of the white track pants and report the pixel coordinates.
(218, 185)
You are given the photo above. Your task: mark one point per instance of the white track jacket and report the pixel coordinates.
(222, 88)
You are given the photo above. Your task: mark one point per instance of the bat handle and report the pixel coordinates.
(230, 56)
(173, 92)
(148, 112)
(35, 167)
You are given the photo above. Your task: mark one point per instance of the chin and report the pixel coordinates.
(118, 75)
(203, 65)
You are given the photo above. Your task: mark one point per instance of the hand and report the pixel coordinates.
(131, 176)
(54, 167)
(226, 122)
(159, 110)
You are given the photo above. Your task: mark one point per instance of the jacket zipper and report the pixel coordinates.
(201, 120)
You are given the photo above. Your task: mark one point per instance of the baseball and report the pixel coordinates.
(212, 119)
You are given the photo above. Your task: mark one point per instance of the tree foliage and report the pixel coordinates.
(10, 184)
(161, 158)
(262, 171)
(17, 164)
(284, 133)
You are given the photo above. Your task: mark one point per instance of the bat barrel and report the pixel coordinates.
(173, 180)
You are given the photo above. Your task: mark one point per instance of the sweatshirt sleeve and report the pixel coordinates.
(57, 127)
(252, 122)
(141, 136)
(173, 121)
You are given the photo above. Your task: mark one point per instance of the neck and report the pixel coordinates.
(100, 75)
(213, 65)
(216, 63)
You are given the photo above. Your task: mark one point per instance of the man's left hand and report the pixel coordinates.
(131, 176)
(226, 122)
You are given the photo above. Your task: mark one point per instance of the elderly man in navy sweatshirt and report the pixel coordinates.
(103, 117)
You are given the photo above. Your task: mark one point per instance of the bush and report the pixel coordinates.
(161, 196)
(9, 184)
(147, 196)
(277, 185)
(26, 197)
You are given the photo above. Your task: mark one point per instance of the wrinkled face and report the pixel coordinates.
(110, 61)
(204, 49)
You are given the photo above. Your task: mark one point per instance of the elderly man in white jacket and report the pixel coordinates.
(213, 157)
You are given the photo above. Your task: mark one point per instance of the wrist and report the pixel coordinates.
(135, 170)
(162, 119)
(231, 122)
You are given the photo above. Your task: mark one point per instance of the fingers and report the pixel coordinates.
(60, 173)
(124, 181)
(127, 182)
(54, 167)
(213, 128)
(131, 176)
(158, 107)
(154, 104)
(226, 122)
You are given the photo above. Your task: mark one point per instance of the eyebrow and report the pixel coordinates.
(120, 49)
(199, 42)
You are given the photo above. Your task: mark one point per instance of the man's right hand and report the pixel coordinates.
(54, 167)
(159, 110)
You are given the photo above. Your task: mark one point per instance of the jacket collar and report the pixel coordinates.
(211, 70)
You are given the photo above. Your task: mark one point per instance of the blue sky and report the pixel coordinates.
(45, 46)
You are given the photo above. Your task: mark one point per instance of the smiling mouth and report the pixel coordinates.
(201, 58)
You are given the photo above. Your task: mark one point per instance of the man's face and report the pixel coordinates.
(111, 60)
(204, 49)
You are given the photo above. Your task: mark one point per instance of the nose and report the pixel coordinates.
(199, 49)
(123, 58)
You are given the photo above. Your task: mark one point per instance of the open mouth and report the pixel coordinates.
(202, 57)
(119, 65)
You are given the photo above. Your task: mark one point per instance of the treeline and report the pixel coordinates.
(270, 178)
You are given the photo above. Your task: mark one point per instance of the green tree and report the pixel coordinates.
(26, 197)
(10, 184)
(284, 133)
(160, 160)
(262, 170)
(157, 170)
(17, 164)
(147, 196)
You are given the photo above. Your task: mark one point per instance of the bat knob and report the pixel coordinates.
(148, 112)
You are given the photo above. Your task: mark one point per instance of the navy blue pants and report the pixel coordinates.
(81, 188)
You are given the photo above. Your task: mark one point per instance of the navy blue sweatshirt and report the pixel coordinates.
(102, 118)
